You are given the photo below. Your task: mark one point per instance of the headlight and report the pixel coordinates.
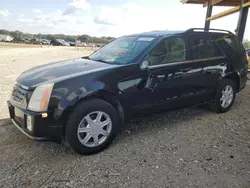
(40, 98)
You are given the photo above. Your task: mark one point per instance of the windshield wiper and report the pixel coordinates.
(85, 57)
(100, 60)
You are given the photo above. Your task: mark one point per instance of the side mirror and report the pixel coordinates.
(144, 65)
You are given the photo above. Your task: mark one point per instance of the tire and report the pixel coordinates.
(217, 105)
(91, 108)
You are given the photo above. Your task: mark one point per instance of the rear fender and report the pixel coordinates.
(235, 76)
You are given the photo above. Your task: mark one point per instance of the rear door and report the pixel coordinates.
(212, 63)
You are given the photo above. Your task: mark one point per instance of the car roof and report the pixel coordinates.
(157, 33)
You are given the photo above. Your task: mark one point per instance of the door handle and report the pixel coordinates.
(186, 69)
(223, 62)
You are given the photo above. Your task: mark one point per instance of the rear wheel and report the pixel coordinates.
(225, 96)
(92, 126)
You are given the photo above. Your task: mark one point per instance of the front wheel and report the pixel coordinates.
(225, 96)
(92, 126)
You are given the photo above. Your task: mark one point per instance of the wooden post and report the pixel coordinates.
(209, 13)
(242, 21)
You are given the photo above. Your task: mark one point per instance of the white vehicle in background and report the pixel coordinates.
(6, 38)
(65, 43)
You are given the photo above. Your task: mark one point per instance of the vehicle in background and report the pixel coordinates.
(59, 42)
(84, 101)
(35, 41)
(248, 54)
(18, 40)
(72, 43)
(65, 43)
(45, 42)
(26, 41)
(6, 38)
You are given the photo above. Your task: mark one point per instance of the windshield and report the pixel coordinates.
(123, 50)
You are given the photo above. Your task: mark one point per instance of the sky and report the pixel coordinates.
(107, 17)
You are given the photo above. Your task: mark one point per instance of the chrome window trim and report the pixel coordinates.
(22, 86)
(183, 62)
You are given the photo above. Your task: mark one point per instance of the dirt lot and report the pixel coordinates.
(16, 58)
(189, 147)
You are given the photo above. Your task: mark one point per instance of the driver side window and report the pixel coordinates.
(168, 51)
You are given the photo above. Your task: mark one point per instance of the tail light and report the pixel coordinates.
(247, 56)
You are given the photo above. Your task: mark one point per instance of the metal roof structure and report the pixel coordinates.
(241, 6)
(215, 2)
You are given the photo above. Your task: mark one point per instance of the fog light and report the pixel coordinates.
(44, 115)
(29, 123)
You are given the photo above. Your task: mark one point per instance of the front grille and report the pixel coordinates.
(18, 94)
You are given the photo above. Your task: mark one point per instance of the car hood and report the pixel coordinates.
(54, 72)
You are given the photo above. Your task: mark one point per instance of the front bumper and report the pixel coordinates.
(47, 128)
(27, 134)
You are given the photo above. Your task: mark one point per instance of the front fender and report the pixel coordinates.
(63, 99)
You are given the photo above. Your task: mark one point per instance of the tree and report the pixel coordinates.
(4, 32)
(84, 38)
(17, 34)
(20, 36)
(246, 44)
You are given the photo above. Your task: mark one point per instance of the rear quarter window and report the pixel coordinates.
(228, 43)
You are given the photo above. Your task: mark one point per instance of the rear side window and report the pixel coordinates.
(202, 47)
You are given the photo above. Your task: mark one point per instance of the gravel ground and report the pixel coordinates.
(16, 58)
(188, 147)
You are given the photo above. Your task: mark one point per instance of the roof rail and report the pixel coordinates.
(202, 29)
